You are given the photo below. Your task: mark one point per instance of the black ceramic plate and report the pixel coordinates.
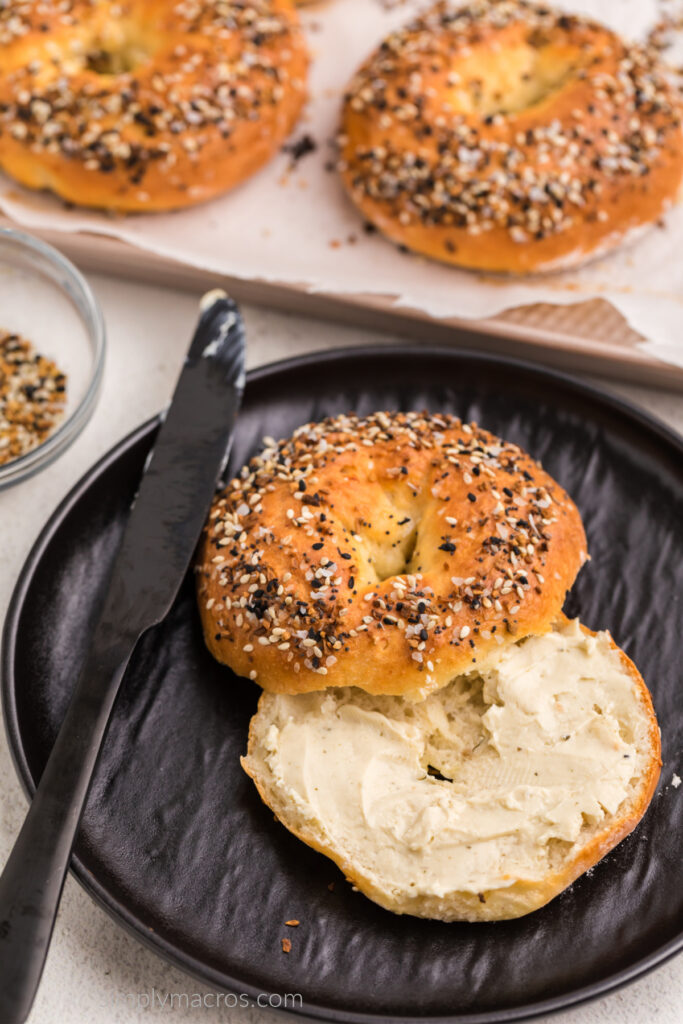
(175, 842)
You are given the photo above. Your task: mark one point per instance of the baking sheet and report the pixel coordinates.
(296, 226)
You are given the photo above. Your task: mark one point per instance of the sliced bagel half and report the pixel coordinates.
(481, 802)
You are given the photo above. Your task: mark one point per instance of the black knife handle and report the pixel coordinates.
(33, 878)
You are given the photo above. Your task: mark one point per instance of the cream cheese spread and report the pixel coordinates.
(483, 783)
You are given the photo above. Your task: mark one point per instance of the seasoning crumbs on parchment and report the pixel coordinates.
(32, 397)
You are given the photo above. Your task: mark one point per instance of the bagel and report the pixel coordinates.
(484, 801)
(510, 137)
(146, 104)
(390, 553)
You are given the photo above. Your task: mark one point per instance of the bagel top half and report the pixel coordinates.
(509, 136)
(390, 553)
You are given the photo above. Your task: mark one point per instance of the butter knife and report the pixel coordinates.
(165, 522)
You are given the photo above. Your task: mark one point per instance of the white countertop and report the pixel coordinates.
(96, 972)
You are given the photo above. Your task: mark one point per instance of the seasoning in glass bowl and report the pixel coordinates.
(32, 397)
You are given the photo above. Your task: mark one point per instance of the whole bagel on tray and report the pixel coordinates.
(146, 104)
(510, 136)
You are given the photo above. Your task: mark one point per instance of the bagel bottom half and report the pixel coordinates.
(481, 802)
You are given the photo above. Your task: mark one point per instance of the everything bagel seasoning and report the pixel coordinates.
(32, 397)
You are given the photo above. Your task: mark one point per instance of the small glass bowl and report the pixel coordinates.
(46, 300)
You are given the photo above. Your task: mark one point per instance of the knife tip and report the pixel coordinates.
(210, 298)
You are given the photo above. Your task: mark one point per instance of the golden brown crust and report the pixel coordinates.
(389, 553)
(523, 896)
(507, 136)
(146, 104)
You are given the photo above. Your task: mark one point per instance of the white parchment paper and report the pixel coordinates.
(296, 226)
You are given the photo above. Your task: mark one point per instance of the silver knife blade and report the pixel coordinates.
(179, 481)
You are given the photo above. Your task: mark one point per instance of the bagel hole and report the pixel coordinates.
(460, 737)
(395, 561)
(115, 60)
(529, 74)
(117, 50)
